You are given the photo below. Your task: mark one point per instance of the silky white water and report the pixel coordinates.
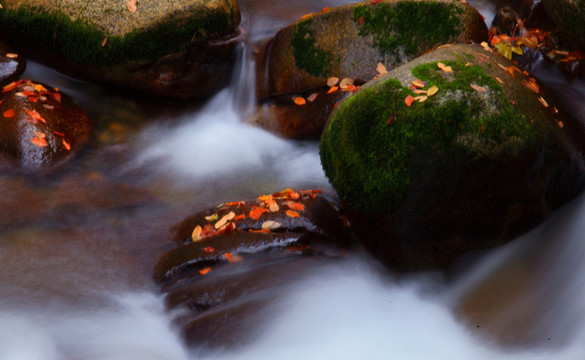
(352, 309)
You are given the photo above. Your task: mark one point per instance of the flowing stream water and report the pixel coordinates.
(75, 281)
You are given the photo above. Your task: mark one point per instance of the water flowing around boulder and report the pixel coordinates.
(455, 151)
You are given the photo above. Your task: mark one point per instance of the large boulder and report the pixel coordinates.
(40, 128)
(569, 17)
(455, 151)
(349, 42)
(230, 261)
(164, 48)
(12, 65)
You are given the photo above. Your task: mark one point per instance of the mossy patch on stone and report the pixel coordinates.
(376, 143)
(405, 27)
(308, 56)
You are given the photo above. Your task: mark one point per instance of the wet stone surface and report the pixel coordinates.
(12, 65)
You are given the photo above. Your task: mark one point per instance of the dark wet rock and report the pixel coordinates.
(169, 49)
(41, 128)
(223, 272)
(349, 42)
(505, 21)
(485, 158)
(12, 65)
(569, 18)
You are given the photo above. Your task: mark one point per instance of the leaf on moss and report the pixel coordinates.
(421, 98)
(444, 67)
(478, 88)
(432, 90)
(257, 212)
(408, 100)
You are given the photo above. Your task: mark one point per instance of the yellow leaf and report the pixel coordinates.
(212, 217)
(421, 98)
(432, 90)
(271, 225)
(224, 219)
(196, 234)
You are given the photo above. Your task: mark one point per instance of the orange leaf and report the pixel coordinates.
(9, 113)
(260, 231)
(39, 141)
(306, 16)
(35, 115)
(240, 217)
(292, 214)
(14, 56)
(57, 97)
(299, 100)
(209, 249)
(204, 271)
(295, 206)
(478, 88)
(408, 100)
(257, 212)
(543, 102)
(131, 4)
(233, 258)
(444, 67)
(418, 84)
(326, 8)
(381, 69)
(332, 90)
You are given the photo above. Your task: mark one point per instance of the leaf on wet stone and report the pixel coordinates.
(333, 89)
(229, 216)
(204, 271)
(231, 258)
(240, 217)
(332, 81)
(196, 234)
(39, 141)
(212, 217)
(381, 69)
(295, 205)
(346, 82)
(257, 212)
(299, 100)
(66, 145)
(11, 55)
(209, 249)
(292, 213)
(9, 113)
(271, 225)
(312, 97)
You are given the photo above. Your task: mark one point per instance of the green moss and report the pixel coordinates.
(371, 163)
(308, 56)
(407, 25)
(81, 42)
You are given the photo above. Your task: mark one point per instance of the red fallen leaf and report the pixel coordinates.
(408, 100)
(209, 249)
(39, 141)
(292, 214)
(56, 97)
(260, 231)
(233, 258)
(35, 115)
(204, 271)
(391, 118)
(59, 133)
(257, 212)
(295, 205)
(9, 113)
(104, 42)
(235, 203)
(326, 8)
(240, 217)
(361, 20)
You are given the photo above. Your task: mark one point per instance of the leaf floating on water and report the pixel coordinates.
(204, 271)
(381, 69)
(432, 90)
(257, 212)
(478, 88)
(39, 141)
(299, 100)
(312, 97)
(196, 234)
(292, 214)
(212, 217)
(9, 113)
(229, 216)
(444, 67)
(131, 5)
(332, 81)
(271, 224)
(408, 100)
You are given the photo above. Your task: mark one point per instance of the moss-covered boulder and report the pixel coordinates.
(455, 151)
(569, 17)
(349, 42)
(40, 127)
(172, 49)
(12, 65)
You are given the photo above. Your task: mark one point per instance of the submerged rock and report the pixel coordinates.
(41, 128)
(349, 42)
(12, 65)
(455, 151)
(229, 261)
(169, 49)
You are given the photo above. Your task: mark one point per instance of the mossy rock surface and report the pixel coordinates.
(154, 49)
(349, 41)
(480, 161)
(569, 17)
